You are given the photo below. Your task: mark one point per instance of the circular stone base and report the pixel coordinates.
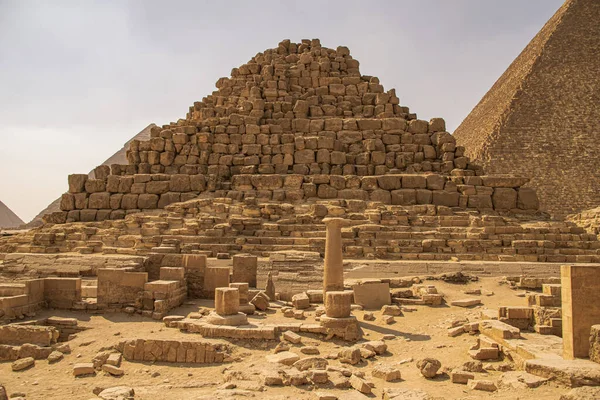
(231, 320)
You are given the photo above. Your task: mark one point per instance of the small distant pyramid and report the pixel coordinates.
(541, 119)
(119, 157)
(8, 219)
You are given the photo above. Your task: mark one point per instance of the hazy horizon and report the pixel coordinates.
(79, 79)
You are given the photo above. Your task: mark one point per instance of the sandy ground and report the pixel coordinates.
(421, 333)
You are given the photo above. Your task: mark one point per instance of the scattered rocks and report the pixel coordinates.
(360, 385)
(260, 301)
(393, 310)
(349, 355)
(485, 385)
(117, 393)
(473, 366)
(310, 350)
(368, 316)
(301, 301)
(23, 364)
(292, 337)
(281, 346)
(460, 376)
(318, 376)
(388, 319)
(284, 357)
(429, 367)
(83, 369)
(113, 370)
(405, 394)
(310, 363)
(520, 380)
(465, 302)
(387, 373)
(55, 356)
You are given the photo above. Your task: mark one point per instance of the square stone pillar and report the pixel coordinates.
(227, 301)
(580, 307)
(244, 269)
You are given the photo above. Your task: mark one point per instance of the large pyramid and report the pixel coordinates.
(294, 136)
(8, 219)
(541, 119)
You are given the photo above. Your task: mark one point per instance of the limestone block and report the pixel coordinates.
(527, 199)
(284, 357)
(460, 376)
(480, 201)
(227, 300)
(21, 334)
(389, 182)
(242, 288)
(23, 363)
(404, 197)
(82, 369)
(146, 201)
(443, 198)
(594, 343)
(414, 181)
(267, 182)
(77, 183)
(504, 198)
(168, 198)
(215, 277)
(67, 202)
(172, 273)
(485, 385)
(580, 294)
(95, 185)
(301, 301)
(260, 301)
(157, 187)
(503, 181)
(244, 269)
(338, 304)
(386, 372)
(180, 183)
(372, 295)
(99, 200)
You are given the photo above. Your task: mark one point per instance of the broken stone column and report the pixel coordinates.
(227, 306)
(337, 321)
(242, 288)
(580, 307)
(333, 273)
(337, 304)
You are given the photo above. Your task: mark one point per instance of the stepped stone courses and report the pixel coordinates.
(297, 122)
(541, 118)
(294, 136)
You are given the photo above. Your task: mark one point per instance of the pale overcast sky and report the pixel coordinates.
(79, 78)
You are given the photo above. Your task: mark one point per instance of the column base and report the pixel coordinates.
(231, 320)
(344, 328)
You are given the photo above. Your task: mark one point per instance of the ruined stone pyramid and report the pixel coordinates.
(293, 137)
(296, 123)
(8, 219)
(541, 119)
